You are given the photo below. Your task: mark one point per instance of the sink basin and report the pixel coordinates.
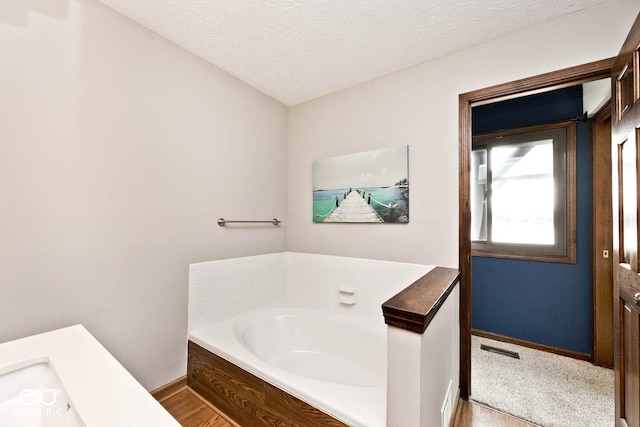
(32, 395)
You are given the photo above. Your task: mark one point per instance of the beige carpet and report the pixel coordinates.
(542, 388)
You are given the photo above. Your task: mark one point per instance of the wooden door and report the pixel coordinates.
(625, 154)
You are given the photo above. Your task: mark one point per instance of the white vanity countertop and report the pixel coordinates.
(102, 391)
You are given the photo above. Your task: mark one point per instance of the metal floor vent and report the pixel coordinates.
(501, 351)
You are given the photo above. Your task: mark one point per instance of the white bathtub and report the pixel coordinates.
(331, 361)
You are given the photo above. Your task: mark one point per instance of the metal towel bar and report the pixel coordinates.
(222, 222)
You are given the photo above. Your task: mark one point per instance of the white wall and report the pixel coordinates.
(440, 364)
(422, 368)
(419, 107)
(118, 151)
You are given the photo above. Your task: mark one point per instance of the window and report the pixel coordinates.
(523, 193)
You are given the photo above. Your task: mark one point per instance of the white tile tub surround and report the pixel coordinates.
(224, 288)
(314, 281)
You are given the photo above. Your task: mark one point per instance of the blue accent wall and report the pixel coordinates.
(540, 302)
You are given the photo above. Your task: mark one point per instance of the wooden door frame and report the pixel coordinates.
(602, 319)
(544, 82)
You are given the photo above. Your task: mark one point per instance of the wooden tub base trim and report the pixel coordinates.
(247, 399)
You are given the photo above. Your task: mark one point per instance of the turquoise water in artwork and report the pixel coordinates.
(324, 201)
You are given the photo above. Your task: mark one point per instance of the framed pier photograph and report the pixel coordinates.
(367, 187)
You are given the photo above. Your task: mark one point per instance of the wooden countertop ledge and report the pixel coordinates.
(415, 307)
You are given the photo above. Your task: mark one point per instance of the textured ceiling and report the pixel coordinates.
(297, 50)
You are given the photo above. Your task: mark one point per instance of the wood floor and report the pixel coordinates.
(473, 415)
(191, 410)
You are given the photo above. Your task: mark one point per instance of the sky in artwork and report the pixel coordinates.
(376, 168)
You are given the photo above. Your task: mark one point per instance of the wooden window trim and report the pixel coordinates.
(519, 251)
